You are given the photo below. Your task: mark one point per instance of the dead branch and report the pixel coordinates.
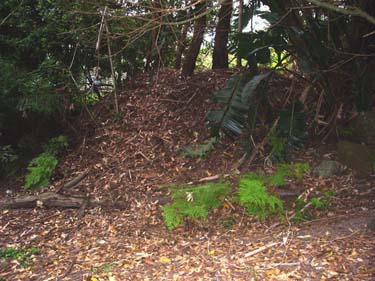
(55, 200)
(73, 182)
(265, 247)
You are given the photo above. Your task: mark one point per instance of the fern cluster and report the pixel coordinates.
(41, 168)
(193, 202)
(254, 197)
(197, 201)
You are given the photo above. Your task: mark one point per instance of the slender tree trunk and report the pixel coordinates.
(152, 54)
(181, 46)
(220, 55)
(240, 25)
(193, 52)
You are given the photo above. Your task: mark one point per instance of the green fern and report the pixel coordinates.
(41, 168)
(200, 150)
(194, 202)
(254, 197)
(278, 178)
(300, 169)
(296, 170)
(56, 144)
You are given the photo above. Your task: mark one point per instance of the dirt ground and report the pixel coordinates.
(134, 156)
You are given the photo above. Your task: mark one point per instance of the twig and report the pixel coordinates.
(350, 10)
(73, 182)
(211, 178)
(261, 249)
(110, 61)
(69, 269)
(81, 213)
(256, 149)
(280, 264)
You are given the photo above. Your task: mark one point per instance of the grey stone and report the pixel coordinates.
(326, 169)
(357, 156)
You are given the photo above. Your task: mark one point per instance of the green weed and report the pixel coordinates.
(23, 255)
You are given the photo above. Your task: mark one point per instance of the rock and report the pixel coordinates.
(357, 156)
(326, 169)
(362, 128)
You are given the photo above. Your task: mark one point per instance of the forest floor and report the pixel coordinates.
(134, 157)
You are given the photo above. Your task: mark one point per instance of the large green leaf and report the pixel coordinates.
(251, 86)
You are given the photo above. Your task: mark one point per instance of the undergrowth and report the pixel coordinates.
(317, 202)
(194, 202)
(23, 255)
(41, 168)
(254, 197)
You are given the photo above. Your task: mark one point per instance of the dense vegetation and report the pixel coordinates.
(52, 53)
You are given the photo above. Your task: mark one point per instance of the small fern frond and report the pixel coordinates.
(254, 197)
(200, 150)
(205, 197)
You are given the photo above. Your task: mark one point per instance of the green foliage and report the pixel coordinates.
(238, 98)
(312, 41)
(7, 155)
(56, 144)
(193, 202)
(23, 255)
(200, 150)
(41, 168)
(319, 203)
(292, 126)
(228, 222)
(254, 197)
(253, 194)
(277, 146)
(322, 202)
(278, 178)
(298, 170)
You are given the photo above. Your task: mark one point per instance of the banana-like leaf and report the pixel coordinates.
(251, 86)
(237, 96)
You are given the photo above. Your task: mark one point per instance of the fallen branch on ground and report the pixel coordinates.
(54, 200)
(265, 247)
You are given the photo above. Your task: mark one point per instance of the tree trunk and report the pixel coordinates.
(152, 56)
(193, 52)
(240, 25)
(181, 46)
(220, 55)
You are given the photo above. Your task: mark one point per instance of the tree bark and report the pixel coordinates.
(55, 200)
(181, 46)
(240, 25)
(152, 57)
(220, 55)
(193, 52)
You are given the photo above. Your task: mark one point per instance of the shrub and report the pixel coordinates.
(193, 202)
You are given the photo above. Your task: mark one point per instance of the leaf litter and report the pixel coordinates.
(133, 159)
